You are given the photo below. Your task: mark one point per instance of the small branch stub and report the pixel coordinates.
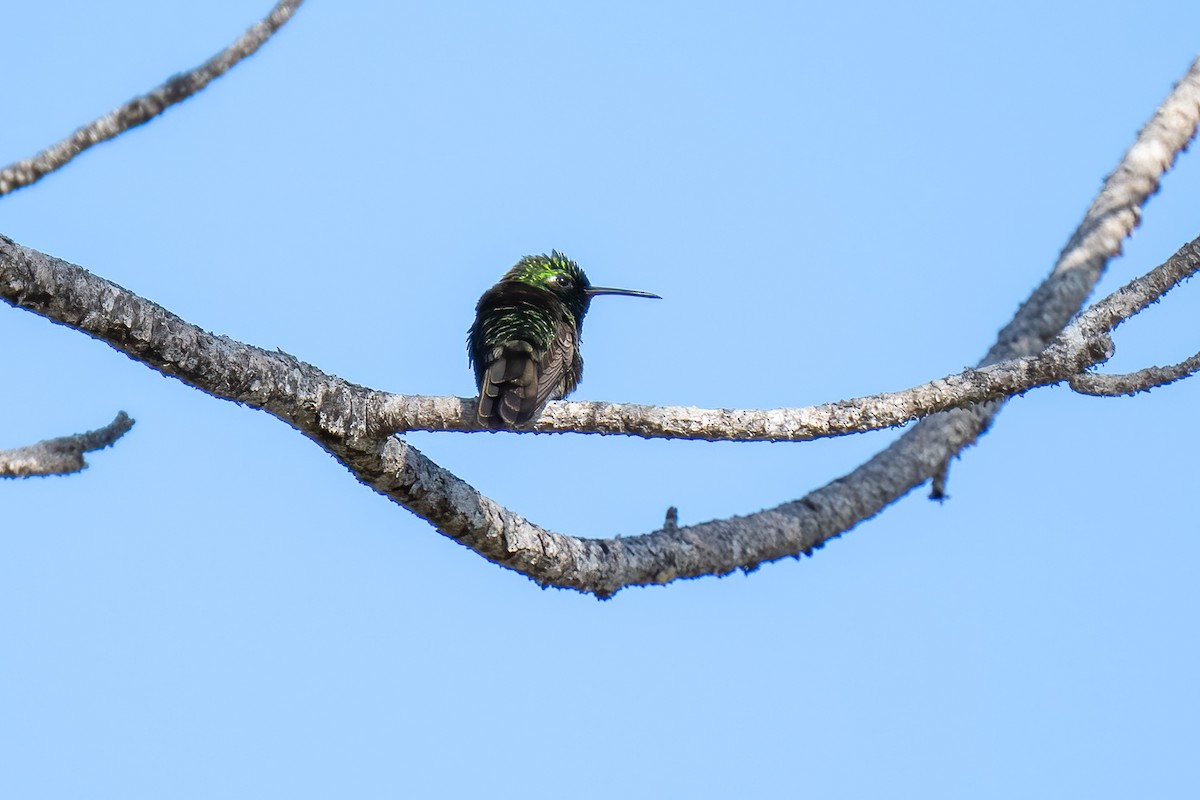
(672, 521)
(61, 456)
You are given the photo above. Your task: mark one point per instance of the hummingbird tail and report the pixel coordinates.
(509, 393)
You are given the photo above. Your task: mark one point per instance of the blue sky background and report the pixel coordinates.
(833, 200)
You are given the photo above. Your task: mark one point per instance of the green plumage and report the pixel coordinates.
(524, 344)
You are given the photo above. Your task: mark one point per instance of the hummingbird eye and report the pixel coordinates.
(562, 281)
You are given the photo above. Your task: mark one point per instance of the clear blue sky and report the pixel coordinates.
(833, 200)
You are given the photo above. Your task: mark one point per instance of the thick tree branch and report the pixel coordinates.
(605, 566)
(300, 393)
(63, 455)
(145, 107)
(1112, 216)
(347, 420)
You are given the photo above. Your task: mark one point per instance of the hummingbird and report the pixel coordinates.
(524, 344)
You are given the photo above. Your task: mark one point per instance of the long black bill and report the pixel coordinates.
(592, 291)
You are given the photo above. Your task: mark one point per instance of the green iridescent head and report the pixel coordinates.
(554, 272)
(560, 275)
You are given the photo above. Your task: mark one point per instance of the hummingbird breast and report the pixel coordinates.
(524, 348)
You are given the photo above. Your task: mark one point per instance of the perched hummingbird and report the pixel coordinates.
(524, 344)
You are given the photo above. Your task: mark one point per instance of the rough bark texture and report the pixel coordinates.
(345, 419)
(1133, 382)
(145, 107)
(353, 423)
(63, 455)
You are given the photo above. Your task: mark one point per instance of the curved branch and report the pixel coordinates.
(1112, 216)
(146, 107)
(300, 393)
(346, 419)
(1101, 385)
(328, 407)
(1081, 345)
(63, 455)
(605, 566)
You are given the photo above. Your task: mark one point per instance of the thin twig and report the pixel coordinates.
(1102, 385)
(63, 455)
(146, 107)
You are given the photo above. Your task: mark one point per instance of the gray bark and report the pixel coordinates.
(356, 424)
(145, 107)
(63, 455)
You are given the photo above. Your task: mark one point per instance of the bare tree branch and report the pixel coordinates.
(1084, 343)
(328, 406)
(67, 293)
(145, 107)
(1101, 385)
(345, 419)
(348, 421)
(605, 566)
(1113, 215)
(63, 455)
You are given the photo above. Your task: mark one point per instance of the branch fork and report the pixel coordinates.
(1040, 346)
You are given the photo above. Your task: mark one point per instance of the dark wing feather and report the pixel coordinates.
(523, 349)
(560, 367)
